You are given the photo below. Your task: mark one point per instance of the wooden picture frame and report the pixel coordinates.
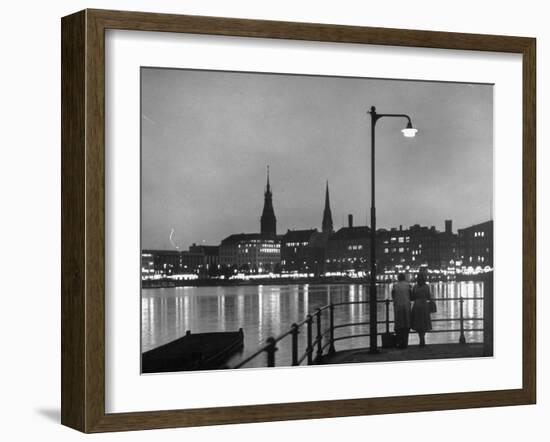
(83, 220)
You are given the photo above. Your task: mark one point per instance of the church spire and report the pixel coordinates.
(327, 214)
(268, 222)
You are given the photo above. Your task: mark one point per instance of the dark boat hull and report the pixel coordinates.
(200, 351)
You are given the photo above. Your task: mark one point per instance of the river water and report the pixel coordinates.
(270, 310)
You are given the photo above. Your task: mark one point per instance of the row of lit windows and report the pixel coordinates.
(479, 234)
(285, 262)
(264, 262)
(254, 244)
(346, 260)
(269, 250)
(296, 244)
(400, 239)
(294, 262)
(355, 247)
(400, 250)
(262, 250)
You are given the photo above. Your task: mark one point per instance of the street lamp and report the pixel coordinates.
(408, 132)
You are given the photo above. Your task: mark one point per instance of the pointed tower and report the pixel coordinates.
(268, 221)
(327, 214)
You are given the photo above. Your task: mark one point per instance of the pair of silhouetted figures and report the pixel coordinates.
(416, 318)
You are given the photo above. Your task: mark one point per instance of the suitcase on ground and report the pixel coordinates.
(388, 340)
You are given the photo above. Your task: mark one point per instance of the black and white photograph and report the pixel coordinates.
(256, 222)
(297, 220)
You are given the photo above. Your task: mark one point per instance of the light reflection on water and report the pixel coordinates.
(269, 310)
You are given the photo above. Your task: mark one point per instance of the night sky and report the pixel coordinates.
(207, 138)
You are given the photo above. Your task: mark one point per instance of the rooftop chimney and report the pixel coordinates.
(350, 220)
(448, 226)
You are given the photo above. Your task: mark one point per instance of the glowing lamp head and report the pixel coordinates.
(409, 131)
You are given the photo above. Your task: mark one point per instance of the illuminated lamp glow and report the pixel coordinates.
(409, 131)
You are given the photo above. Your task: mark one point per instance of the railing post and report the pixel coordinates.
(294, 333)
(331, 349)
(462, 339)
(488, 315)
(309, 340)
(387, 316)
(271, 349)
(319, 337)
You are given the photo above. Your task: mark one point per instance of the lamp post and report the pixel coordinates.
(408, 132)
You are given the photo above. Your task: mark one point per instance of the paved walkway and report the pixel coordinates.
(411, 353)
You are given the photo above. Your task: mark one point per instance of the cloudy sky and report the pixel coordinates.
(208, 136)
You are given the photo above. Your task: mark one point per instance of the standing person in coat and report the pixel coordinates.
(420, 317)
(401, 295)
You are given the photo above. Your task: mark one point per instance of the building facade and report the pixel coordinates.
(251, 252)
(417, 247)
(397, 249)
(254, 252)
(170, 264)
(475, 246)
(448, 247)
(348, 250)
(147, 265)
(211, 254)
(302, 252)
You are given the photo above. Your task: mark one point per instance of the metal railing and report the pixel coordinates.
(319, 340)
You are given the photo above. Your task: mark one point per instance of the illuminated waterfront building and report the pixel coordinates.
(448, 246)
(147, 265)
(301, 252)
(255, 252)
(170, 264)
(251, 252)
(348, 249)
(475, 245)
(211, 254)
(417, 246)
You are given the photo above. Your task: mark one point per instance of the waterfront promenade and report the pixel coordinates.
(303, 323)
(411, 353)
